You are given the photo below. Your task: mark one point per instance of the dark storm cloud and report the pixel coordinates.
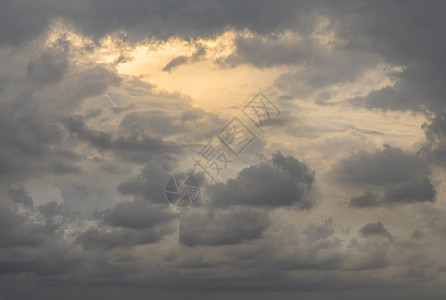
(222, 227)
(266, 52)
(283, 181)
(145, 19)
(50, 66)
(345, 66)
(52, 83)
(417, 190)
(84, 83)
(59, 210)
(127, 224)
(320, 231)
(135, 214)
(27, 148)
(134, 148)
(374, 229)
(17, 230)
(100, 238)
(397, 177)
(436, 130)
(408, 33)
(23, 20)
(368, 199)
(387, 166)
(150, 182)
(44, 83)
(320, 65)
(194, 124)
(408, 43)
(20, 196)
(30, 240)
(434, 148)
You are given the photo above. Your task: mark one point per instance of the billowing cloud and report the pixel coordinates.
(284, 181)
(368, 199)
(374, 229)
(387, 166)
(222, 227)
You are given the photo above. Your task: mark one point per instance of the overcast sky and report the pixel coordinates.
(335, 191)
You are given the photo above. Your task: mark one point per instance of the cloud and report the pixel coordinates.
(283, 181)
(97, 238)
(419, 86)
(181, 60)
(395, 176)
(27, 148)
(368, 199)
(222, 227)
(128, 224)
(32, 239)
(133, 148)
(50, 66)
(389, 165)
(193, 124)
(52, 209)
(148, 184)
(135, 214)
(61, 137)
(20, 196)
(320, 231)
(434, 149)
(418, 190)
(143, 19)
(374, 229)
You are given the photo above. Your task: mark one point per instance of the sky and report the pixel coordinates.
(314, 130)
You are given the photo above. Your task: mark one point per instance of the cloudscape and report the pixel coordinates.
(167, 149)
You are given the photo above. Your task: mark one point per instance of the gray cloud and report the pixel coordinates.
(149, 183)
(119, 237)
(194, 124)
(412, 45)
(284, 181)
(135, 214)
(368, 199)
(418, 190)
(181, 60)
(128, 224)
(50, 66)
(320, 231)
(222, 227)
(386, 166)
(245, 234)
(434, 148)
(396, 177)
(27, 148)
(20, 196)
(133, 148)
(374, 229)
(144, 19)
